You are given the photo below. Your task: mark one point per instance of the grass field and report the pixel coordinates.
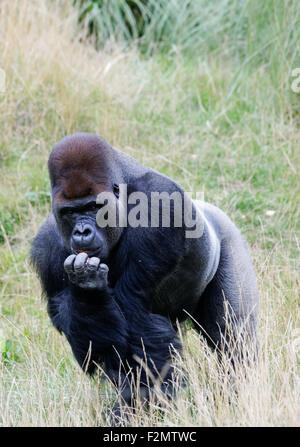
(223, 120)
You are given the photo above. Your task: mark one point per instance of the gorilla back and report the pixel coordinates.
(116, 290)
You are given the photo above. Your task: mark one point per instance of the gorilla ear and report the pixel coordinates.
(116, 190)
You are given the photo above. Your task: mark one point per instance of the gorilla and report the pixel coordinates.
(117, 291)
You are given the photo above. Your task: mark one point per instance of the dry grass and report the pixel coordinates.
(175, 118)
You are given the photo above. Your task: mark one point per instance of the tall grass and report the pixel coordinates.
(242, 28)
(222, 120)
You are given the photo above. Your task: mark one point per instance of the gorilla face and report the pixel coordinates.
(78, 227)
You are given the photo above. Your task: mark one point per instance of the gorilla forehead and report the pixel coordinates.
(78, 165)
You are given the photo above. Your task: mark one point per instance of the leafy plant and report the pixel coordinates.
(10, 350)
(118, 19)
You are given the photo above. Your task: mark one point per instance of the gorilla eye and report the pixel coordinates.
(66, 212)
(92, 207)
(116, 190)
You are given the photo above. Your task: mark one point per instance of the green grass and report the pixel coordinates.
(218, 116)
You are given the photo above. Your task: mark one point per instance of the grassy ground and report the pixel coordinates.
(223, 121)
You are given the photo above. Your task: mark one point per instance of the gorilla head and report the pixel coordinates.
(80, 169)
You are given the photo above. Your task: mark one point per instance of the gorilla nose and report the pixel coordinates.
(83, 235)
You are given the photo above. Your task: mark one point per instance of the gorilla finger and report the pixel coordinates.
(103, 268)
(80, 261)
(93, 263)
(68, 264)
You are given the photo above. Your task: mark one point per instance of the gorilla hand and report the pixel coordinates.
(86, 272)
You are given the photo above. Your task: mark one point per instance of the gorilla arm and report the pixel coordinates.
(90, 319)
(102, 324)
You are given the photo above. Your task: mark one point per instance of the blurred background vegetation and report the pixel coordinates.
(190, 25)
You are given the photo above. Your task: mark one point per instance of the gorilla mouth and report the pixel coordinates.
(88, 252)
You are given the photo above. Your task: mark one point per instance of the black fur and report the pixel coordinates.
(156, 276)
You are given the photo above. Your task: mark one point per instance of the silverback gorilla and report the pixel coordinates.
(117, 291)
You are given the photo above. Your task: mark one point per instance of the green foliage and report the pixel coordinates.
(10, 350)
(121, 19)
(189, 26)
(7, 223)
(35, 197)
